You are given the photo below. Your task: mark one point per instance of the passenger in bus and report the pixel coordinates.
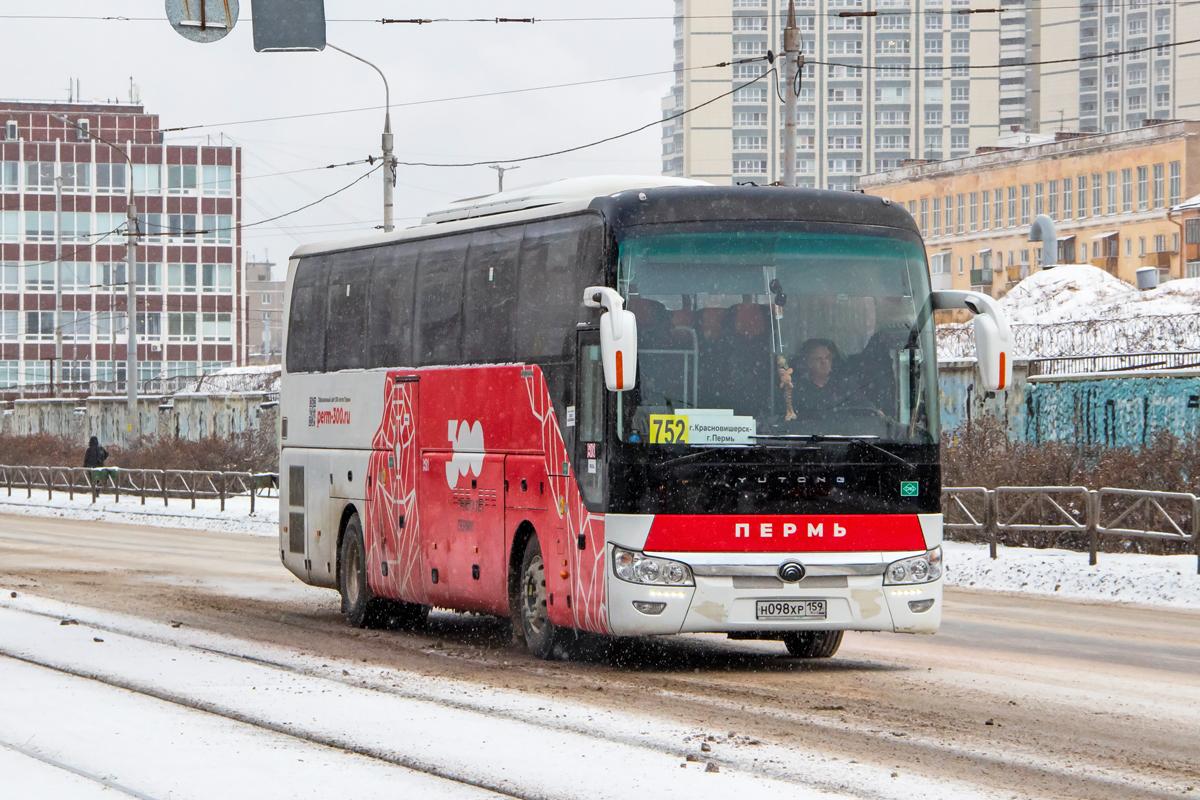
(821, 385)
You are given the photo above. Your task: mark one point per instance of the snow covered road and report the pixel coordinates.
(1017, 697)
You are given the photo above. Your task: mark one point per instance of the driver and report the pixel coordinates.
(820, 386)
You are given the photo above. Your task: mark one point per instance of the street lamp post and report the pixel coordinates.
(133, 421)
(389, 160)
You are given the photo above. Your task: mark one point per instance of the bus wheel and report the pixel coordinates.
(813, 644)
(540, 634)
(359, 606)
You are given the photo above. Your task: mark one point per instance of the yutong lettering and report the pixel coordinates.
(769, 530)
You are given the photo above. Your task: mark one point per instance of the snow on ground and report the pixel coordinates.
(178, 513)
(1125, 577)
(266, 705)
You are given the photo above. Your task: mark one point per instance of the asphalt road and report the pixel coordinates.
(1026, 696)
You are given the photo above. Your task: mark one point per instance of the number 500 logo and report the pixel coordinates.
(668, 429)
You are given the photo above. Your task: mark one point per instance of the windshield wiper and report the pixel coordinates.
(862, 438)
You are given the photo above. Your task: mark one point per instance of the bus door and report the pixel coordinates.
(590, 396)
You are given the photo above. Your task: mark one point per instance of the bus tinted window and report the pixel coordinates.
(306, 323)
(552, 282)
(490, 302)
(391, 319)
(346, 335)
(439, 311)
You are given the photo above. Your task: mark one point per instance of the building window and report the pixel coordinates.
(149, 277)
(147, 179)
(937, 216)
(947, 206)
(1126, 190)
(10, 130)
(181, 278)
(110, 178)
(181, 227)
(925, 216)
(1025, 204)
(1012, 206)
(1112, 192)
(1174, 197)
(10, 226)
(218, 229)
(217, 278)
(39, 176)
(39, 226)
(997, 208)
(961, 216)
(1097, 193)
(1143, 188)
(1191, 231)
(1052, 199)
(39, 325)
(216, 328)
(181, 178)
(10, 280)
(1159, 188)
(9, 322)
(181, 326)
(973, 204)
(1039, 199)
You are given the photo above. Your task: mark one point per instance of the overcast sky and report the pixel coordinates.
(187, 84)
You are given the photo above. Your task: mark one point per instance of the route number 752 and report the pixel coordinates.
(668, 429)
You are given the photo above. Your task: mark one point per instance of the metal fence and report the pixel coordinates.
(1056, 510)
(144, 484)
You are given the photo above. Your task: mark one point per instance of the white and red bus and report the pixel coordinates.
(625, 406)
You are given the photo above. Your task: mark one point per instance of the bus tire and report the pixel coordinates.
(813, 644)
(531, 619)
(360, 607)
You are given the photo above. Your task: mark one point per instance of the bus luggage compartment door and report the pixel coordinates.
(462, 524)
(304, 490)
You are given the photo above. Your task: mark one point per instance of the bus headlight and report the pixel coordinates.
(917, 569)
(635, 567)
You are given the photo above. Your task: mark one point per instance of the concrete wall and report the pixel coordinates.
(184, 416)
(1121, 410)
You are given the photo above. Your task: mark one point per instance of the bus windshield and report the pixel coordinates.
(752, 337)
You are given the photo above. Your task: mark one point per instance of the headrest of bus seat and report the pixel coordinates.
(751, 319)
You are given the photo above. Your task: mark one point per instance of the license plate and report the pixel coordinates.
(789, 609)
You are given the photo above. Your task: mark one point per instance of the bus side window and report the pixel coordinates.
(306, 319)
(490, 303)
(346, 334)
(550, 290)
(439, 307)
(390, 326)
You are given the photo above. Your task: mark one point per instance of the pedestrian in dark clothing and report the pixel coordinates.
(95, 455)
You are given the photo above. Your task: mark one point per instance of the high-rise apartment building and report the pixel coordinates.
(1116, 92)
(897, 87)
(188, 199)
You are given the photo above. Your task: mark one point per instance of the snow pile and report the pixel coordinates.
(178, 513)
(1078, 309)
(1123, 577)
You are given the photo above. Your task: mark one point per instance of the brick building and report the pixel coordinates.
(189, 280)
(1113, 198)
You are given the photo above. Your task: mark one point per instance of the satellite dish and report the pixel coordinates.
(202, 21)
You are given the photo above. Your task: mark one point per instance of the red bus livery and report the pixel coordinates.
(628, 407)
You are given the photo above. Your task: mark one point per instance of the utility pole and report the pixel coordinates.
(791, 54)
(132, 417)
(389, 160)
(500, 174)
(56, 368)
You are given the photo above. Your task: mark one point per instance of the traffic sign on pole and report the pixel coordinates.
(282, 26)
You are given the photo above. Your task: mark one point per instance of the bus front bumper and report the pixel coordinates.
(725, 599)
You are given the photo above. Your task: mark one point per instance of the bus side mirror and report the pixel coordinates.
(993, 337)
(618, 337)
